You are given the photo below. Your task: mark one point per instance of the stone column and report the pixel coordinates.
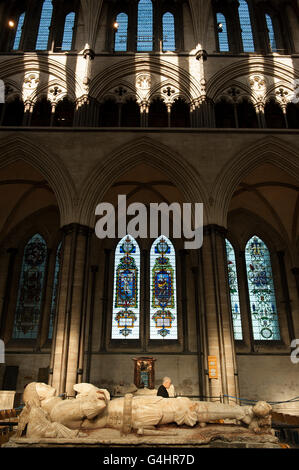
(94, 270)
(7, 266)
(71, 310)
(220, 339)
(295, 271)
(31, 25)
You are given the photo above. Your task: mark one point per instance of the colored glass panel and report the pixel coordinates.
(44, 26)
(168, 32)
(222, 33)
(163, 304)
(19, 31)
(263, 309)
(30, 292)
(68, 32)
(145, 26)
(125, 315)
(55, 290)
(234, 290)
(121, 35)
(246, 29)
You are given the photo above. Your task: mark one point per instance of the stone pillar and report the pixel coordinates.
(286, 294)
(31, 25)
(220, 339)
(201, 334)
(94, 270)
(71, 309)
(105, 299)
(295, 271)
(7, 266)
(183, 254)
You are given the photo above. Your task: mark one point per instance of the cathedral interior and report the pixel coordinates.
(163, 101)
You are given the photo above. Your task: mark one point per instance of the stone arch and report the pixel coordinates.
(18, 147)
(143, 150)
(268, 150)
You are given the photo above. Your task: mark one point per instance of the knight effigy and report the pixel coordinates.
(48, 416)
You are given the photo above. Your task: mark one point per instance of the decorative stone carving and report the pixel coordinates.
(31, 81)
(294, 98)
(49, 416)
(143, 82)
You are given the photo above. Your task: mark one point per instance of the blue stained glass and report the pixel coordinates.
(163, 310)
(121, 35)
(145, 26)
(245, 22)
(18, 35)
(44, 26)
(168, 32)
(222, 33)
(67, 40)
(55, 290)
(30, 292)
(271, 35)
(234, 290)
(264, 316)
(125, 314)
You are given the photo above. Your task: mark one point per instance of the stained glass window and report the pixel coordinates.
(222, 33)
(67, 40)
(125, 314)
(234, 290)
(271, 35)
(168, 32)
(145, 26)
(245, 22)
(121, 35)
(30, 291)
(55, 290)
(163, 302)
(261, 291)
(19, 31)
(44, 26)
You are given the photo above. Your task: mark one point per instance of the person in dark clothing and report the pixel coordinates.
(163, 389)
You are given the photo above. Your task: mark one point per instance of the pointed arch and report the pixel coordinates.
(263, 309)
(44, 26)
(19, 32)
(126, 290)
(145, 26)
(163, 295)
(30, 289)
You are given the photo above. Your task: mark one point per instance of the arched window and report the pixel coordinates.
(293, 115)
(126, 290)
(41, 115)
(44, 26)
(30, 291)
(19, 31)
(130, 114)
(13, 113)
(222, 33)
(145, 26)
(234, 290)
(271, 34)
(247, 117)
(224, 114)
(121, 35)
(64, 113)
(180, 113)
(163, 296)
(55, 291)
(274, 115)
(263, 309)
(68, 32)
(246, 29)
(158, 115)
(109, 114)
(168, 32)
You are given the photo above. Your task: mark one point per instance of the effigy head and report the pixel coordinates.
(262, 409)
(35, 392)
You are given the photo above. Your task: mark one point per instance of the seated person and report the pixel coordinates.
(163, 389)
